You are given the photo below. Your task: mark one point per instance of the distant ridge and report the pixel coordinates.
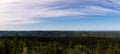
(62, 33)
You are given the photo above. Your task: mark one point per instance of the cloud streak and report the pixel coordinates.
(14, 12)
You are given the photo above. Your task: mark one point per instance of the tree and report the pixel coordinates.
(5, 47)
(26, 47)
(15, 44)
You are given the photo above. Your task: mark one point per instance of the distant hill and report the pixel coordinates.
(63, 33)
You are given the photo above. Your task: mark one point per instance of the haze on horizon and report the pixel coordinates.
(60, 15)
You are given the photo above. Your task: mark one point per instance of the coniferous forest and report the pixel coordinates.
(78, 44)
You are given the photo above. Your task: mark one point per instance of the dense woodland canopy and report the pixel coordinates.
(79, 44)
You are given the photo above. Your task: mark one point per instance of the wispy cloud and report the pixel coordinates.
(27, 11)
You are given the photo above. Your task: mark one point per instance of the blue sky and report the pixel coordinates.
(77, 15)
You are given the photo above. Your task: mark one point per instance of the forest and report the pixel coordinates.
(53, 44)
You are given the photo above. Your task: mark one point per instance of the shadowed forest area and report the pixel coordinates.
(59, 45)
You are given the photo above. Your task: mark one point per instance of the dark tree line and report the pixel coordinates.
(59, 45)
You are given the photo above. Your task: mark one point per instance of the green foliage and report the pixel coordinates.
(59, 45)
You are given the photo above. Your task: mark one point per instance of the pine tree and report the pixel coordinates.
(15, 47)
(26, 47)
(5, 48)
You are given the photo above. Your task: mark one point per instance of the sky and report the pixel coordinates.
(73, 15)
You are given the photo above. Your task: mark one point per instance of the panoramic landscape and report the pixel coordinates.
(59, 26)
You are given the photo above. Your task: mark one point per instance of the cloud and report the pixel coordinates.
(117, 2)
(14, 12)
